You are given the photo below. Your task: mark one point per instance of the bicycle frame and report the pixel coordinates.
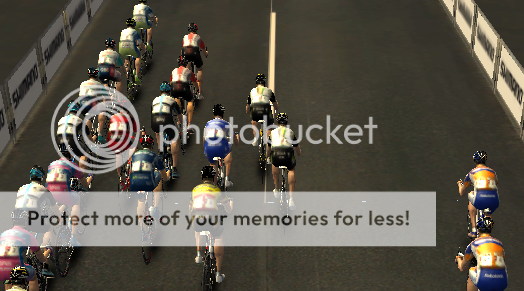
(284, 201)
(221, 182)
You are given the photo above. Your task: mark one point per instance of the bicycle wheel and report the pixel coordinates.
(81, 228)
(64, 251)
(149, 231)
(262, 152)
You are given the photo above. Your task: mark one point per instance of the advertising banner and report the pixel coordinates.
(25, 86)
(464, 17)
(510, 81)
(54, 46)
(486, 40)
(95, 4)
(4, 129)
(76, 18)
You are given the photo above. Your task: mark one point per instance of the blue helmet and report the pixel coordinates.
(485, 224)
(37, 173)
(165, 87)
(73, 107)
(480, 157)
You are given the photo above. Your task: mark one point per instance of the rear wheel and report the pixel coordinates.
(64, 251)
(83, 211)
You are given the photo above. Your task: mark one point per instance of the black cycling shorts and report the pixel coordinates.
(70, 140)
(163, 119)
(109, 72)
(259, 110)
(281, 156)
(216, 230)
(192, 54)
(181, 91)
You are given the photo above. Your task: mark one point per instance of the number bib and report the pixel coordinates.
(216, 133)
(202, 202)
(484, 183)
(8, 251)
(489, 261)
(141, 166)
(57, 176)
(161, 108)
(31, 202)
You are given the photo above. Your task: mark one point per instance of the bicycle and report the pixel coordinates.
(168, 158)
(209, 259)
(221, 177)
(146, 56)
(473, 261)
(132, 87)
(150, 233)
(34, 262)
(284, 195)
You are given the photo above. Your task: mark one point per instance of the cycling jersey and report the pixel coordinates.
(193, 40)
(216, 144)
(122, 133)
(108, 61)
(490, 273)
(87, 88)
(282, 141)
(16, 288)
(485, 194)
(59, 174)
(181, 75)
(127, 45)
(162, 111)
(69, 131)
(13, 243)
(143, 16)
(143, 176)
(261, 95)
(205, 197)
(191, 45)
(33, 197)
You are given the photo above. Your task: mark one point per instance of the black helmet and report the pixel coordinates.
(182, 61)
(282, 118)
(218, 110)
(19, 275)
(261, 79)
(92, 72)
(37, 173)
(485, 224)
(110, 43)
(192, 27)
(131, 22)
(165, 87)
(208, 172)
(480, 157)
(147, 141)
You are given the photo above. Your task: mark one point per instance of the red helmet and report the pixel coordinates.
(147, 141)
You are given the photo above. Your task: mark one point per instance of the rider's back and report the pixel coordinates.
(483, 179)
(59, 173)
(205, 196)
(261, 95)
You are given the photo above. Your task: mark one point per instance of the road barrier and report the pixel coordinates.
(31, 76)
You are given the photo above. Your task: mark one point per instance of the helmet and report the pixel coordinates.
(480, 157)
(208, 172)
(37, 173)
(192, 27)
(92, 72)
(110, 43)
(73, 107)
(485, 224)
(142, 1)
(182, 61)
(147, 141)
(282, 118)
(19, 274)
(218, 110)
(261, 79)
(165, 87)
(131, 22)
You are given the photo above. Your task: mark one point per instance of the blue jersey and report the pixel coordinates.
(142, 174)
(216, 144)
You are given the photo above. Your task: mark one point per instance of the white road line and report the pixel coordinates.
(271, 70)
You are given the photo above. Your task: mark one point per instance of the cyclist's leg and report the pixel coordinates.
(219, 251)
(33, 281)
(472, 279)
(140, 210)
(229, 163)
(276, 176)
(119, 79)
(75, 210)
(255, 129)
(190, 107)
(471, 209)
(158, 190)
(291, 176)
(199, 64)
(118, 161)
(175, 147)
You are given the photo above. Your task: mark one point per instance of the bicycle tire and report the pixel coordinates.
(64, 252)
(33, 261)
(81, 228)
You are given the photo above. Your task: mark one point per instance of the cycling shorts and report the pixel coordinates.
(192, 54)
(207, 225)
(258, 111)
(137, 184)
(489, 279)
(163, 119)
(217, 150)
(283, 156)
(9, 263)
(485, 199)
(67, 198)
(144, 25)
(129, 51)
(109, 72)
(72, 141)
(182, 91)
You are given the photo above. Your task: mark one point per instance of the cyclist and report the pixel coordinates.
(216, 144)
(258, 104)
(19, 279)
(144, 17)
(146, 174)
(207, 190)
(179, 80)
(59, 174)
(128, 46)
(123, 131)
(490, 272)
(283, 144)
(35, 197)
(485, 195)
(191, 46)
(70, 132)
(111, 65)
(163, 109)
(88, 93)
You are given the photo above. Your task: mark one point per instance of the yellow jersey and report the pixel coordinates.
(205, 197)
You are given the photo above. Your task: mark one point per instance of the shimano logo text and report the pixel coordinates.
(466, 13)
(25, 86)
(510, 81)
(54, 46)
(485, 44)
(80, 9)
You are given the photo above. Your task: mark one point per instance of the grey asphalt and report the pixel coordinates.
(401, 63)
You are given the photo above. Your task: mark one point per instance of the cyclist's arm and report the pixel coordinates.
(464, 186)
(228, 204)
(248, 103)
(274, 101)
(194, 81)
(268, 145)
(159, 164)
(236, 139)
(203, 47)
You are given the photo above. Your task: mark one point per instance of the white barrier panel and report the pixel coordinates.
(486, 40)
(449, 5)
(464, 17)
(54, 47)
(25, 86)
(510, 82)
(76, 18)
(95, 4)
(4, 128)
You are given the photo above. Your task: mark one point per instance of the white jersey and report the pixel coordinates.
(192, 40)
(182, 74)
(282, 137)
(129, 37)
(260, 95)
(68, 124)
(28, 196)
(142, 12)
(163, 104)
(87, 88)
(109, 57)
